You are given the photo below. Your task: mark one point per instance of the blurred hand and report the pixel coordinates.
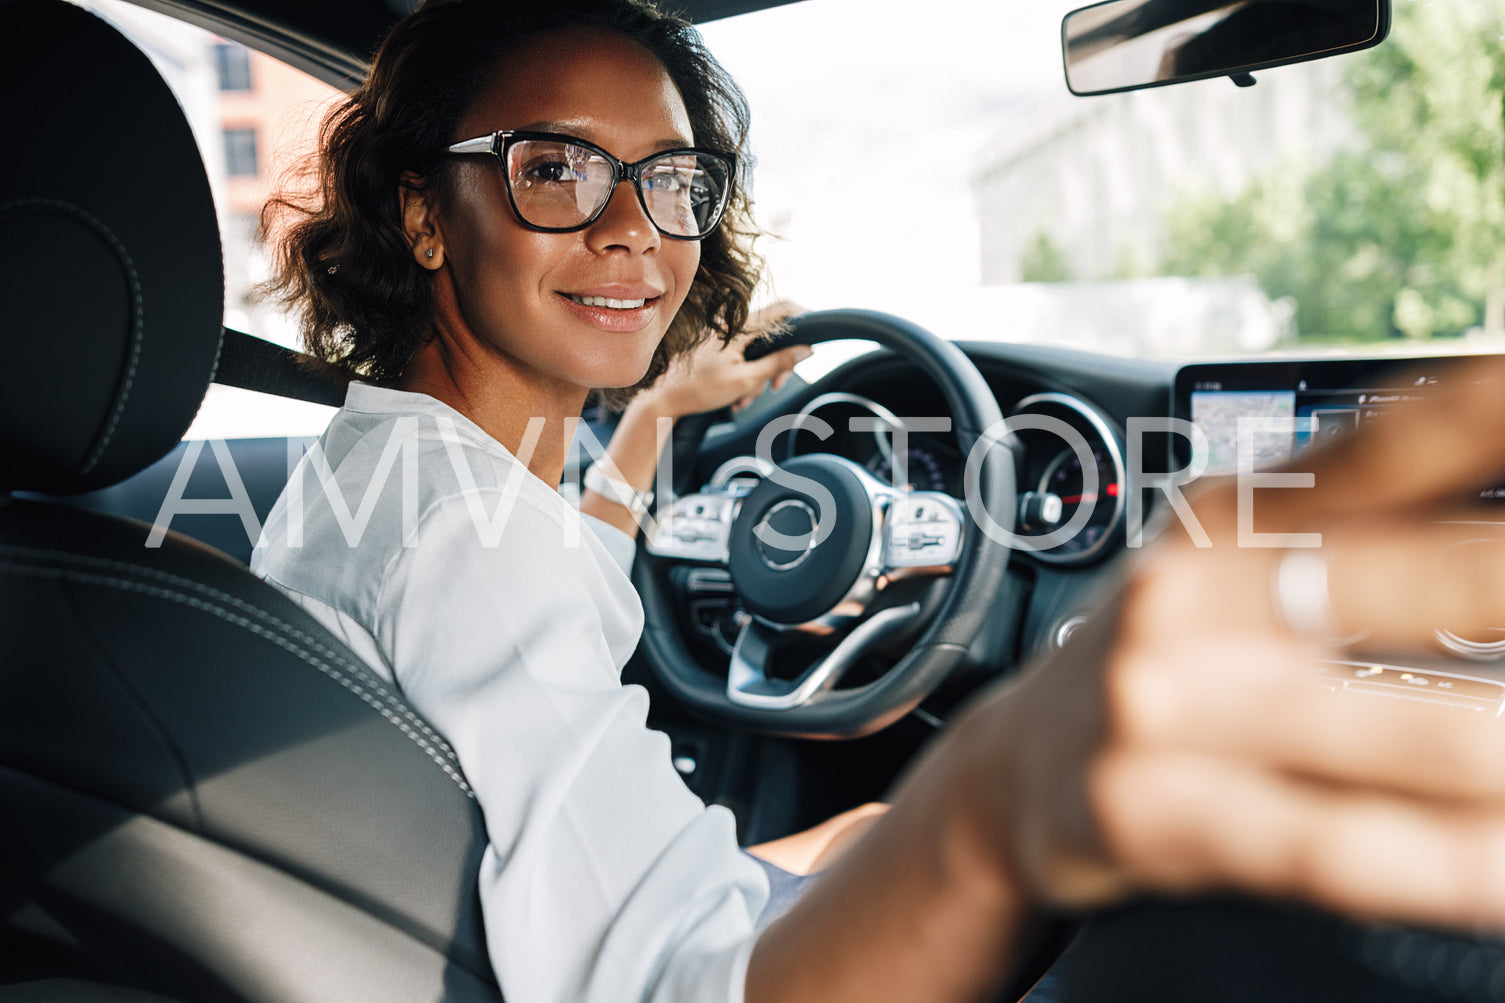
(1181, 743)
(717, 375)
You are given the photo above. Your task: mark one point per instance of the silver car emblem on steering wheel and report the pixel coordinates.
(785, 546)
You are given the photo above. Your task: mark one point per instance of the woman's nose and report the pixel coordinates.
(623, 223)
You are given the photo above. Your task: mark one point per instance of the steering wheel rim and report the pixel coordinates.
(969, 597)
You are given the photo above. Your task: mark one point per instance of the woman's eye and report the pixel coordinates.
(668, 180)
(548, 172)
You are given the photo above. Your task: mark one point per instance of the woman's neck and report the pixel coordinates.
(504, 399)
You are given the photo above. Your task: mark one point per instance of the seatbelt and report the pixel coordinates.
(253, 364)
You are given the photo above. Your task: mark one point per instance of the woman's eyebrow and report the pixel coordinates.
(578, 131)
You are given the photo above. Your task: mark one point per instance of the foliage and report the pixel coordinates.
(1404, 236)
(1044, 261)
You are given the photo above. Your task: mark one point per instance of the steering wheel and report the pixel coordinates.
(814, 548)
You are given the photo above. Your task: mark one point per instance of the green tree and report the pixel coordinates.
(1405, 237)
(1044, 261)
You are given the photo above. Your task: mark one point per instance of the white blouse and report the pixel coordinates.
(434, 554)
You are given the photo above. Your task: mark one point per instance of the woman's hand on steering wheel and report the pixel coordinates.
(718, 374)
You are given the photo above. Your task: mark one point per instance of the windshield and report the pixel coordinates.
(936, 167)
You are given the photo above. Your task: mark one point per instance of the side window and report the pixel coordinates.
(240, 152)
(255, 119)
(233, 65)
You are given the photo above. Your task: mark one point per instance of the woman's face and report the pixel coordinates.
(518, 292)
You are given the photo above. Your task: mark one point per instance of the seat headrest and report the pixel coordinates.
(110, 259)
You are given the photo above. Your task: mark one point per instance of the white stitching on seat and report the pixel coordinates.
(137, 326)
(372, 680)
(443, 756)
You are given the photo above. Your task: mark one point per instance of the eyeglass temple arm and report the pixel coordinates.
(481, 144)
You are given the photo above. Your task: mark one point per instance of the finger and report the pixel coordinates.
(1396, 580)
(776, 363)
(1265, 705)
(744, 338)
(1428, 451)
(1190, 823)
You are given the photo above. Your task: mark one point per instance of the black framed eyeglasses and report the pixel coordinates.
(558, 184)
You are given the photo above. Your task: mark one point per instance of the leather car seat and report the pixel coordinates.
(203, 796)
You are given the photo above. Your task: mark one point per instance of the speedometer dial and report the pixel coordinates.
(922, 470)
(1063, 479)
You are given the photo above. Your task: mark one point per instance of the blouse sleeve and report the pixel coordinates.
(622, 548)
(605, 879)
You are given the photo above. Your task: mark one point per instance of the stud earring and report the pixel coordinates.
(429, 253)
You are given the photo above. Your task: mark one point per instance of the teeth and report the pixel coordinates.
(610, 304)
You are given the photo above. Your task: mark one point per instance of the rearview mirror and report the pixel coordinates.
(1126, 44)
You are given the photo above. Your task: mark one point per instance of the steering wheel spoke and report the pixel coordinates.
(749, 685)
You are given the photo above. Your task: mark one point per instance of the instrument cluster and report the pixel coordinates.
(1069, 456)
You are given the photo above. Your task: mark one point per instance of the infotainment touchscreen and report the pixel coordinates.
(1309, 401)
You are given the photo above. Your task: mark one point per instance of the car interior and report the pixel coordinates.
(207, 797)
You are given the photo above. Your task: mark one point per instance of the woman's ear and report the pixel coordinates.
(420, 222)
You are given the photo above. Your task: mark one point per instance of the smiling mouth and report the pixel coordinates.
(610, 304)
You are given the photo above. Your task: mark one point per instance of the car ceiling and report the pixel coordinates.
(333, 39)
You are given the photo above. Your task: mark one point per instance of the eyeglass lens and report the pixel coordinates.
(560, 185)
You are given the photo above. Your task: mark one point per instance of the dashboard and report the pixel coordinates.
(1095, 440)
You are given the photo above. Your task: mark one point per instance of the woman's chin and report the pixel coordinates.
(619, 376)
(617, 382)
(616, 371)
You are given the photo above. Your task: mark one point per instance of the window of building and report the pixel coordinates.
(232, 64)
(240, 153)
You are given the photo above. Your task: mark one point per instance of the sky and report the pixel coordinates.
(869, 121)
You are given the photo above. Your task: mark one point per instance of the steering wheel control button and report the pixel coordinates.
(695, 528)
(803, 540)
(923, 529)
(787, 534)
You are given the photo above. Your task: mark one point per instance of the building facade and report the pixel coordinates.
(1094, 179)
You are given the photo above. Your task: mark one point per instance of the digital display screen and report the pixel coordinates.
(1299, 418)
(1260, 414)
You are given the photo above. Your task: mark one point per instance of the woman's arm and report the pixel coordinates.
(919, 909)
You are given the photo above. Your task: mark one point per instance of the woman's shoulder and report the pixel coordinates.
(391, 472)
(406, 442)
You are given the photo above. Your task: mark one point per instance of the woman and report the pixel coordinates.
(442, 262)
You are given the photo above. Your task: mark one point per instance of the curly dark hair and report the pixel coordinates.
(341, 256)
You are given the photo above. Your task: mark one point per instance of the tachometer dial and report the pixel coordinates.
(1074, 486)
